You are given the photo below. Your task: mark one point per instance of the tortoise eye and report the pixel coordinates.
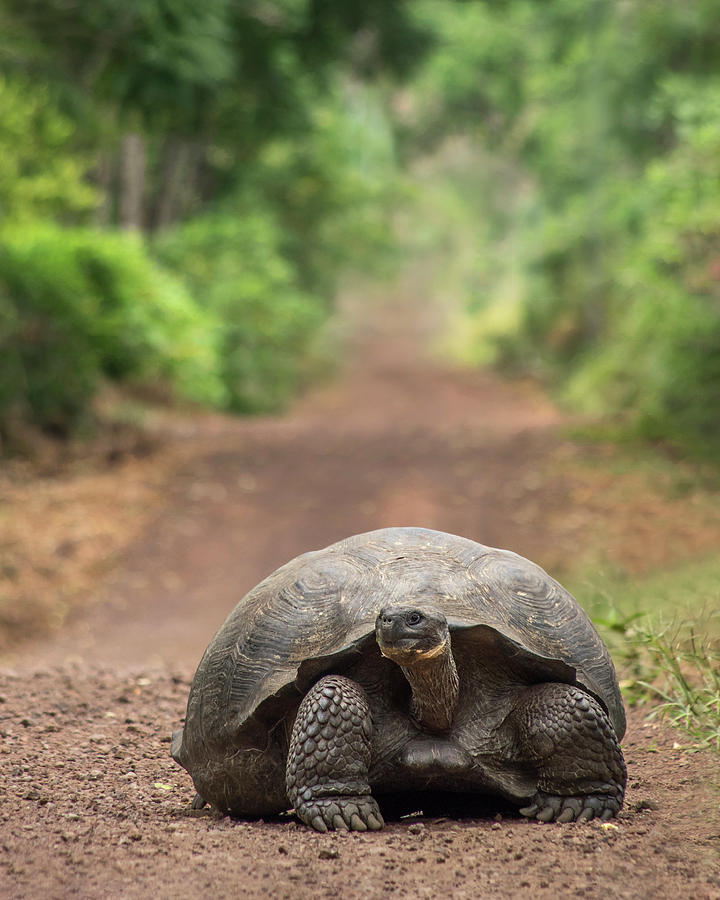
(414, 618)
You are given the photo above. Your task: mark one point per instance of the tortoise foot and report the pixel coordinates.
(341, 814)
(549, 808)
(567, 735)
(327, 766)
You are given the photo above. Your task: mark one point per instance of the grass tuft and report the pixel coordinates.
(663, 632)
(683, 678)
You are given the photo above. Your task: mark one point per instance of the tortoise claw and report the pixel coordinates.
(582, 808)
(198, 802)
(318, 824)
(341, 814)
(357, 824)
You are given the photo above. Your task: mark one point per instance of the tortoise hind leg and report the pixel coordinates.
(567, 735)
(329, 758)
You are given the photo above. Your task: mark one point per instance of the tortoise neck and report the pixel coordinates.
(435, 688)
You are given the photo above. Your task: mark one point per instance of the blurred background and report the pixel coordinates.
(183, 188)
(496, 223)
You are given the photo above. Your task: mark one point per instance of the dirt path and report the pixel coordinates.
(95, 808)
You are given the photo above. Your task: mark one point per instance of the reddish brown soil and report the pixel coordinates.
(94, 807)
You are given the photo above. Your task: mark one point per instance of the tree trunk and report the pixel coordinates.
(132, 182)
(104, 176)
(175, 182)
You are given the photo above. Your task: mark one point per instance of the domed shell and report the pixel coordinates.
(326, 601)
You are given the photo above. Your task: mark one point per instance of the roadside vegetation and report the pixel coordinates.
(181, 190)
(663, 631)
(579, 146)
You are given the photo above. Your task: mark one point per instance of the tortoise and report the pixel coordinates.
(405, 660)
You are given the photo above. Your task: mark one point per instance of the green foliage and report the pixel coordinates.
(609, 113)
(41, 172)
(252, 120)
(688, 689)
(267, 259)
(664, 633)
(467, 84)
(268, 334)
(331, 189)
(661, 360)
(146, 58)
(228, 76)
(673, 667)
(77, 306)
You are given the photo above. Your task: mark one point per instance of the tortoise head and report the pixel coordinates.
(418, 640)
(407, 635)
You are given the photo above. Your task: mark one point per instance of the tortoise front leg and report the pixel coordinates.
(567, 735)
(329, 757)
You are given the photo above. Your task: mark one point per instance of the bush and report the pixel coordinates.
(608, 282)
(659, 361)
(77, 306)
(269, 327)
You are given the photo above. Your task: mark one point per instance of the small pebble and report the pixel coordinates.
(416, 828)
(328, 853)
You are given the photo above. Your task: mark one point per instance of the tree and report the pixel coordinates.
(179, 87)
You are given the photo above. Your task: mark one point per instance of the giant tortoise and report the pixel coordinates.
(405, 660)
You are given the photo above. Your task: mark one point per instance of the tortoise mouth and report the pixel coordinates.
(408, 650)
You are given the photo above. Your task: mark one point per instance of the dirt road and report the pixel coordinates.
(95, 808)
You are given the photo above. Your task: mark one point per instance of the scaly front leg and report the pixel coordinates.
(329, 758)
(566, 734)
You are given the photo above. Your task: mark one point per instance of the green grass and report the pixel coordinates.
(664, 634)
